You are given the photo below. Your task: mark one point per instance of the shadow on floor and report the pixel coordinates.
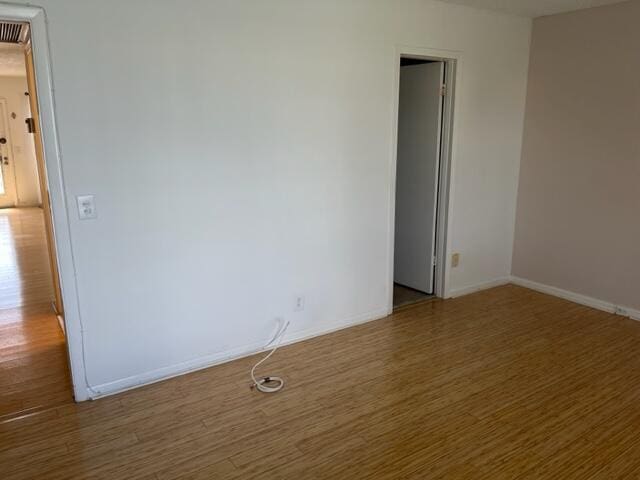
(403, 296)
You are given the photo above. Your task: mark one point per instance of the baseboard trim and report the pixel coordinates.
(578, 298)
(497, 282)
(61, 323)
(165, 373)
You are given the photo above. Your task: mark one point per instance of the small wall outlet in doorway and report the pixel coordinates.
(455, 260)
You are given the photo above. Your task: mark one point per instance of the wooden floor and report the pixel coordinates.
(502, 384)
(33, 362)
(24, 261)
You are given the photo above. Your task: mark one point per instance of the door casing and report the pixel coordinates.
(44, 189)
(454, 61)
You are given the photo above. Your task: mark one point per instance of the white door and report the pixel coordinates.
(419, 128)
(7, 178)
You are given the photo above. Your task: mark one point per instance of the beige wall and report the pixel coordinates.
(578, 215)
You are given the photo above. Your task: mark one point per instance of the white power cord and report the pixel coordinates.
(270, 384)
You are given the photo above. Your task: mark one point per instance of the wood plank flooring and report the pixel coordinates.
(33, 360)
(25, 277)
(502, 384)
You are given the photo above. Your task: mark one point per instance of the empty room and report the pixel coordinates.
(363, 239)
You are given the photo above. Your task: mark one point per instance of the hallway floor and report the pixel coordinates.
(33, 358)
(403, 296)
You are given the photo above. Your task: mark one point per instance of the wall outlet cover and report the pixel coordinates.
(86, 207)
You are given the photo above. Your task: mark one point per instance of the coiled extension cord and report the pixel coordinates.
(269, 384)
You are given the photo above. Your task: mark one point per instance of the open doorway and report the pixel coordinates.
(421, 182)
(34, 372)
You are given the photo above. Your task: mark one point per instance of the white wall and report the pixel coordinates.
(240, 154)
(12, 88)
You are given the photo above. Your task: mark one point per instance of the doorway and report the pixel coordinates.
(421, 182)
(34, 369)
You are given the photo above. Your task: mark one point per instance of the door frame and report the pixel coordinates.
(453, 61)
(13, 196)
(32, 91)
(36, 17)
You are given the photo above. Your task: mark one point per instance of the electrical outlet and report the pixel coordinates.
(86, 207)
(455, 260)
(298, 303)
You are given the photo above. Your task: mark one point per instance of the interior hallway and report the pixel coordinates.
(33, 359)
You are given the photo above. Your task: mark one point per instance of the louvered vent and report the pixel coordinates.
(11, 32)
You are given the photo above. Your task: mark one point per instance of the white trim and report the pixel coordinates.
(207, 361)
(578, 298)
(54, 173)
(453, 60)
(442, 289)
(496, 282)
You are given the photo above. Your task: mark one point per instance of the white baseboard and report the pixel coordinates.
(578, 298)
(135, 381)
(200, 363)
(497, 282)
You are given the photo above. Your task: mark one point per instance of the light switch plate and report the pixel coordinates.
(86, 207)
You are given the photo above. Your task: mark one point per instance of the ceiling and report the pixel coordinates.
(11, 60)
(533, 8)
